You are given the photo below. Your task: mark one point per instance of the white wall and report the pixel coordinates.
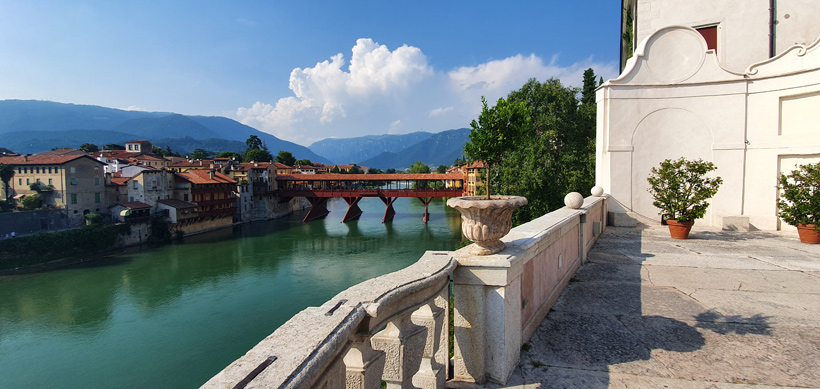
(674, 99)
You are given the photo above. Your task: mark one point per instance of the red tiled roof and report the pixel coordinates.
(204, 177)
(195, 163)
(38, 159)
(121, 181)
(135, 205)
(178, 204)
(281, 166)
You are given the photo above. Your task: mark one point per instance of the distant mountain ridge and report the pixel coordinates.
(30, 126)
(362, 148)
(440, 149)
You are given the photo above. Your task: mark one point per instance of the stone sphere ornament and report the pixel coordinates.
(574, 200)
(484, 221)
(597, 191)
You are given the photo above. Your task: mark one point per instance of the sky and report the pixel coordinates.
(302, 70)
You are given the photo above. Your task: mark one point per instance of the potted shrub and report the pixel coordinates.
(485, 220)
(682, 191)
(799, 203)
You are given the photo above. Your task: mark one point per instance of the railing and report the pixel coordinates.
(394, 328)
(370, 192)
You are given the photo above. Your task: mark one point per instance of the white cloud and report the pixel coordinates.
(440, 111)
(383, 91)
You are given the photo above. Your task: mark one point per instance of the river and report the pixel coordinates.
(173, 316)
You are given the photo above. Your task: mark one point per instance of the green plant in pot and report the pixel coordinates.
(682, 190)
(799, 202)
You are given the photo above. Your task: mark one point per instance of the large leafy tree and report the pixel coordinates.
(286, 157)
(554, 153)
(200, 154)
(229, 154)
(419, 167)
(254, 142)
(6, 174)
(492, 136)
(257, 155)
(89, 148)
(303, 162)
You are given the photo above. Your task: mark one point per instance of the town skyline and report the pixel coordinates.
(301, 72)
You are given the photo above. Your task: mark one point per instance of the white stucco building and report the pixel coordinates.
(703, 83)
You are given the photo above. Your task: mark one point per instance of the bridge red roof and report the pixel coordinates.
(366, 177)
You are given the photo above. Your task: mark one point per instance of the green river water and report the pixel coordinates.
(173, 316)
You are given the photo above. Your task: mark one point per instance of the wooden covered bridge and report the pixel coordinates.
(318, 188)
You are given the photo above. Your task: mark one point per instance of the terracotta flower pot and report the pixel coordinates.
(808, 234)
(679, 230)
(484, 221)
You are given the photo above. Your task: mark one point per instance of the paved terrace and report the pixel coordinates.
(720, 310)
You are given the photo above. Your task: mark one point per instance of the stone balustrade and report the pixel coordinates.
(394, 328)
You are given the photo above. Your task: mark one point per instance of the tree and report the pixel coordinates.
(286, 157)
(89, 148)
(113, 146)
(419, 168)
(200, 154)
(492, 136)
(554, 154)
(441, 169)
(31, 202)
(354, 170)
(390, 171)
(335, 169)
(6, 174)
(303, 162)
(372, 170)
(257, 155)
(254, 142)
(230, 154)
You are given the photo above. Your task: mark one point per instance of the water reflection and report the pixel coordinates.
(175, 315)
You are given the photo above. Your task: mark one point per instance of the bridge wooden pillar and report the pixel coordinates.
(317, 210)
(425, 201)
(353, 210)
(389, 212)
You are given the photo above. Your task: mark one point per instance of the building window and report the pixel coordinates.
(96, 170)
(96, 197)
(49, 181)
(25, 170)
(96, 181)
(130, 147)
(710, 35)
(49, 170)
(20, 181)
(37, 169)
(73, 181)
(73, 198)
(28, 182)
(73, 170)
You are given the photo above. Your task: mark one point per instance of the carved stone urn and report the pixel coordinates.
(484, 221)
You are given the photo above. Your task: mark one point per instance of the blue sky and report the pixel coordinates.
(302, 70)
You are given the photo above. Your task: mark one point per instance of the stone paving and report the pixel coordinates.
(719, 310)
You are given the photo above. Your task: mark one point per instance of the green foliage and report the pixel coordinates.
(257, 155)
(628, 36)
(441, 169)
(799, 202)
(681, 188)
(303, 162)
(459, 162)
(160, 231)
(390, 171)
(354, 170)
(200, 154)
(31, 202)
(93, 218)
(6, 174)
(553, 151)
(113, 146)
(419, 168)
(43, 247)
(254, 142)
(89, 148)
(493, 135)
(6, 205)
(286, 157)
(335, 169)
(373, 170)
(229, 154)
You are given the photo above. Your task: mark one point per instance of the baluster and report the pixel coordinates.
(365, 366)
(403, 343)
(431, 374)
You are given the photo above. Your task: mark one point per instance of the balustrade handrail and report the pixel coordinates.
(309, 348)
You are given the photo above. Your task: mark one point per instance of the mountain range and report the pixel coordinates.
(28, 126)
